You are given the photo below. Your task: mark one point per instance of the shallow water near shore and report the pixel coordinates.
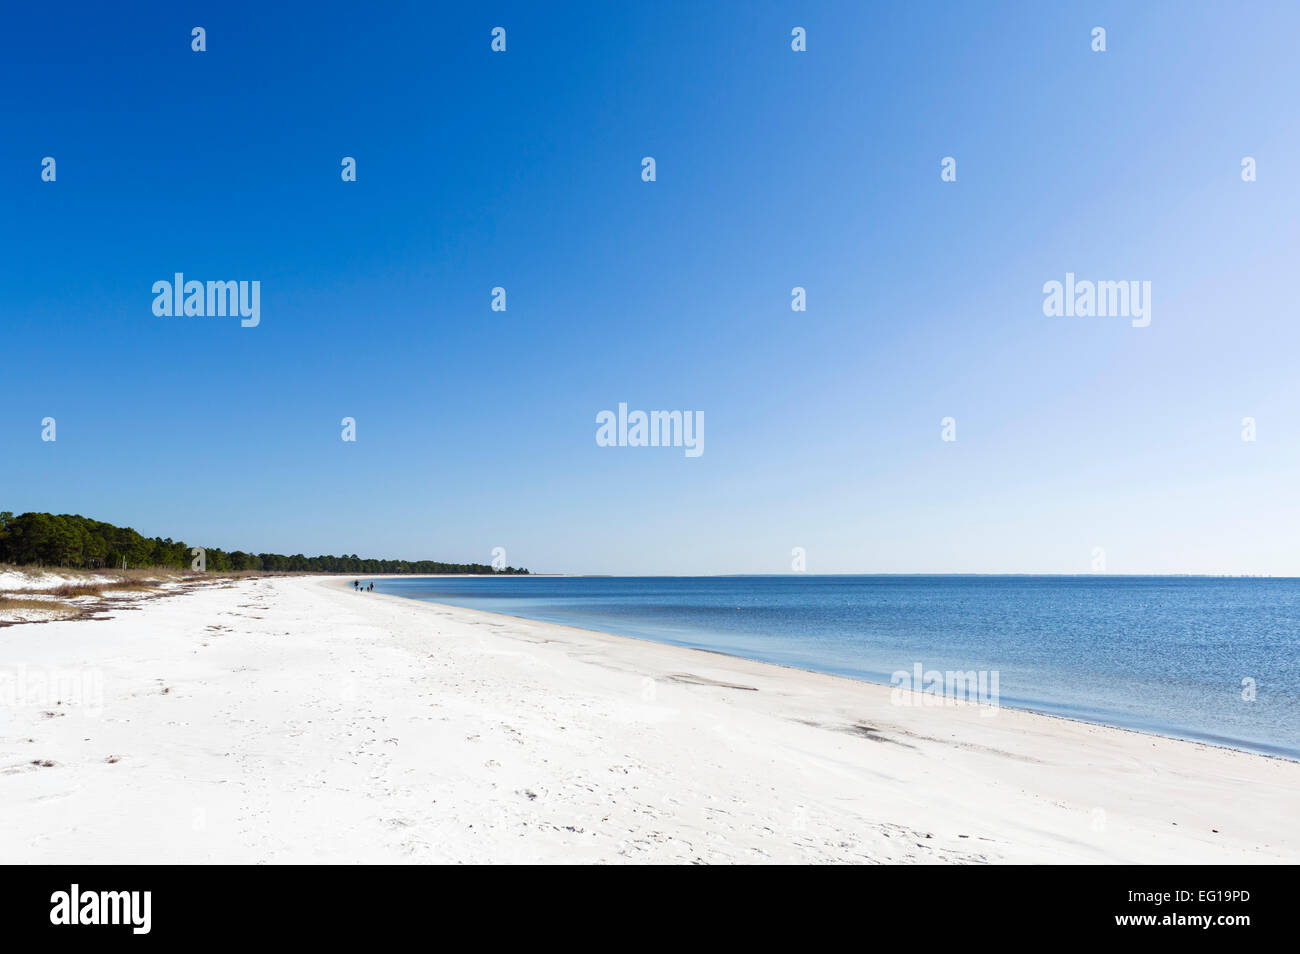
(1167, 655)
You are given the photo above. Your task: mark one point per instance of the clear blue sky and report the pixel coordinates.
(821, 169)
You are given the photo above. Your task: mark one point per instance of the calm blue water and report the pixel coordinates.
(1160, 654)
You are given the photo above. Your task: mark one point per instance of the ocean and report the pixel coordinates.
(1211, 659)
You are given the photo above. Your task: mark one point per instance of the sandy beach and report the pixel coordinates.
(289, 719)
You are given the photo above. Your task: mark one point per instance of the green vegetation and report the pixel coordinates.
(72, 540)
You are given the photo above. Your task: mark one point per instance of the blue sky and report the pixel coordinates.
(476, 429)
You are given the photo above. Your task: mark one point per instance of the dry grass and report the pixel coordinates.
(145, 574)
(148, 574)
(133, 585)
(97, 582)
(134, 573)
(72, 590)
(102, 586)
(18, 603)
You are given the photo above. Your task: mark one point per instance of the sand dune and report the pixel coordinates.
(292, 720)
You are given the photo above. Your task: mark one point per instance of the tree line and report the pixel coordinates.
(71, 540)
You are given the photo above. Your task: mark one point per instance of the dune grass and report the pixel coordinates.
(73, 590)
(8, 603)
(70, 591)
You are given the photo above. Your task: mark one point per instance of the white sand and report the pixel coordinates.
(32, 585)
(290, 720)
(14, 579)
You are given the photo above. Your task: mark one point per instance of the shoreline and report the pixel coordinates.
(274, 720)
(1171, 735)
